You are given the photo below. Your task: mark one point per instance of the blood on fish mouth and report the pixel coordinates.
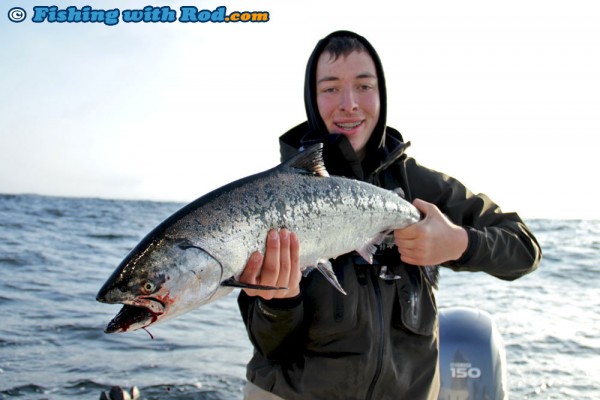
(153, 299)
(131, 315)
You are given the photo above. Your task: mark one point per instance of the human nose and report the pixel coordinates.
(348, 101)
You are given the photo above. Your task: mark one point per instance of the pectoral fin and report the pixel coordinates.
(232, 282)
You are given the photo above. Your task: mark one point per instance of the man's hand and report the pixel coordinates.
(279, 267)
(431, 241)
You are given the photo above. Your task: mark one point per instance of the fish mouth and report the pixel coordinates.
(136, 316)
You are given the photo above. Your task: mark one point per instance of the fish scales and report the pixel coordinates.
(234, 224)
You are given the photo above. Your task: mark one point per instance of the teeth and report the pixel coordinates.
(349, 126)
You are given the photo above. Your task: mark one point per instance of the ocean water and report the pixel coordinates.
(55, 253)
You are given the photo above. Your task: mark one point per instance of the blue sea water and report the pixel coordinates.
(55, 253)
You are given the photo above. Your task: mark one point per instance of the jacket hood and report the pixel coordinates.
(338, 154)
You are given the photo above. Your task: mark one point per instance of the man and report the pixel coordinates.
(380, 341)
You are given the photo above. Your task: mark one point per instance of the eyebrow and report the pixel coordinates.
(335, 78)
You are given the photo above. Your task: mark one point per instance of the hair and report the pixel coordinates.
(343, 46)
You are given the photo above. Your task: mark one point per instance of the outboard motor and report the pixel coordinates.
(472, 356)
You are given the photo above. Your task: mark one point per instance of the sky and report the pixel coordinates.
(503, 95)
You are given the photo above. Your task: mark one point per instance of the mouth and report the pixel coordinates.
(131, 318)
(134, 317)
(348, 126)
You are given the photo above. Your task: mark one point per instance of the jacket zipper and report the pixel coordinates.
(381, 338)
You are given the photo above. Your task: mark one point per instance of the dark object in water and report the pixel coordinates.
(117, 393)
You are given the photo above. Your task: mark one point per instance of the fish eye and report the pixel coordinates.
(148, 287)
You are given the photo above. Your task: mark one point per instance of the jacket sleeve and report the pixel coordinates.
(500, 244)
(272, 325)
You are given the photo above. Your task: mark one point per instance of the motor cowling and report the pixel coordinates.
(472, 356)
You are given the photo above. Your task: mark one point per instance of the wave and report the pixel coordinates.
(55, 253)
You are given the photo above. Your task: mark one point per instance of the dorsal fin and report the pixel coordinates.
(309, 161)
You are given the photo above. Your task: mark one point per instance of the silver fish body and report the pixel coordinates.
(188, 259)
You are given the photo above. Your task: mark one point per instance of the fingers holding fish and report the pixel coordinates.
(272, 265)
(280, 267)
(295, 273)
(251, 273)
(433, 240)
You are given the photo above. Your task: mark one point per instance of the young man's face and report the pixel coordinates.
(348, 96)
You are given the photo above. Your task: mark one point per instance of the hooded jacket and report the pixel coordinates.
(381, 340)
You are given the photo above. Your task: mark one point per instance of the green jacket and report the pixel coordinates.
(381, 340)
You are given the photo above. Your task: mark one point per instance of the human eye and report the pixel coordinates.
(367, 86)
(328, 89)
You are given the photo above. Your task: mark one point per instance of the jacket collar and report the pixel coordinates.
(339, 157)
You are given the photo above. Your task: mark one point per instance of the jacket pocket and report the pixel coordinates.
(417, 308)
